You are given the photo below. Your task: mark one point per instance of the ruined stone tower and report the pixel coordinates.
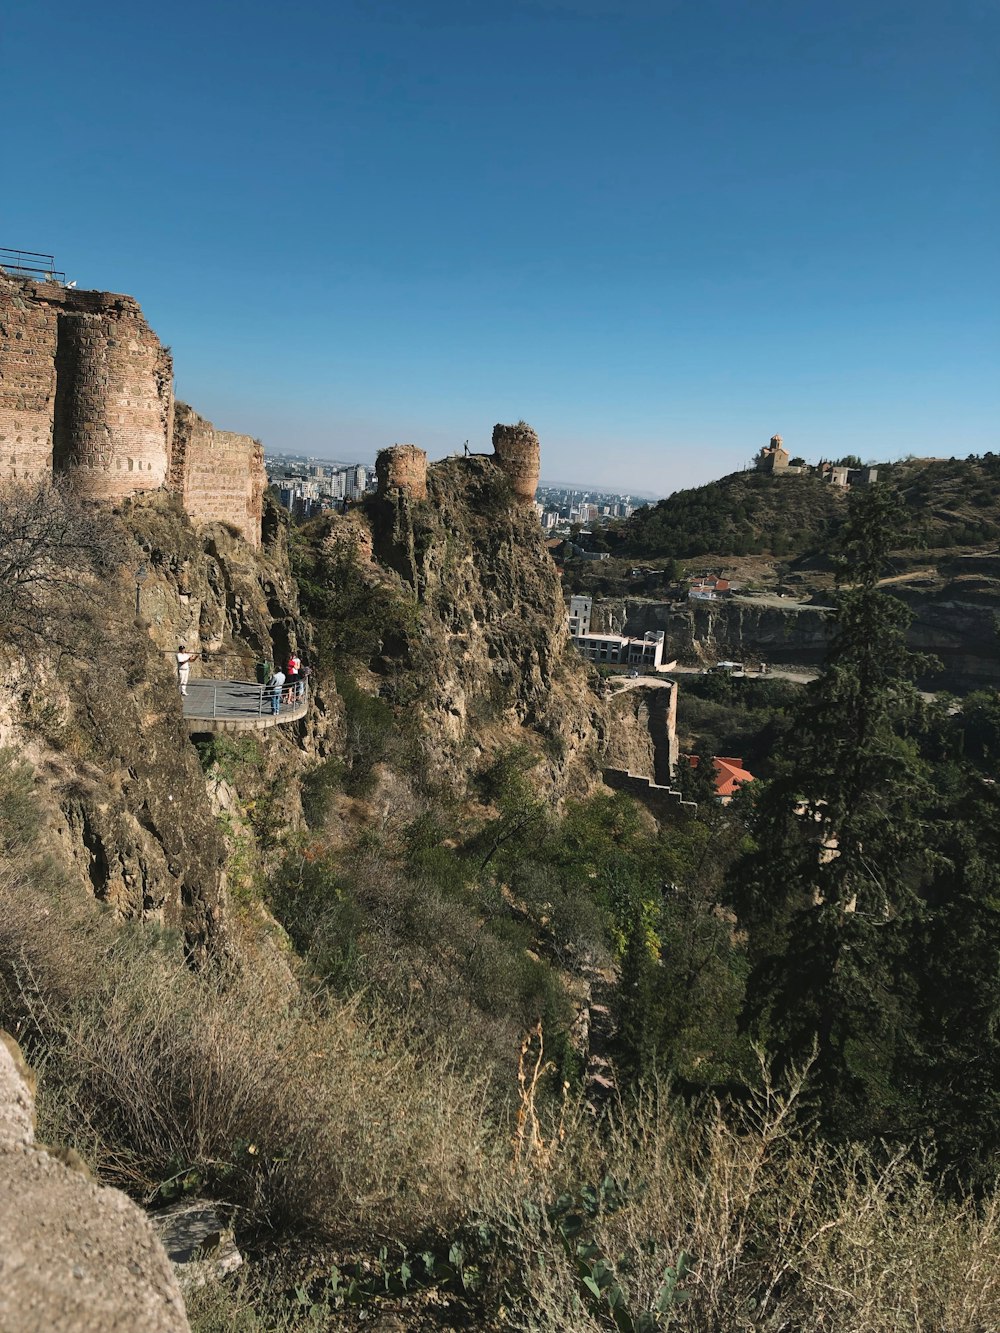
(403, 467)
(114, 397)
(517, 451)
(86, 392)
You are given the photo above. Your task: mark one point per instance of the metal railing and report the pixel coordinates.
(30, 264)
(237, 699)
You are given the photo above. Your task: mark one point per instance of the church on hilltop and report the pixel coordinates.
(774, 459)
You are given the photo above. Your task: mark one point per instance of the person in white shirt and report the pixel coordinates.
(184, 660)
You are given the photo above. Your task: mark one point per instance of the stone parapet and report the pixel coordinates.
(517, 451)
(403, 467)
(665, 803)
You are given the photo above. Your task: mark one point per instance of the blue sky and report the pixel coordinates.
(659, 230)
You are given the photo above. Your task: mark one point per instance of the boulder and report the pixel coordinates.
(75, 1256)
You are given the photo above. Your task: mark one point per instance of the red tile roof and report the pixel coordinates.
(729, 774)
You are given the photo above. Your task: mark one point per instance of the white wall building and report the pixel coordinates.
(579, 615)
(645, 654)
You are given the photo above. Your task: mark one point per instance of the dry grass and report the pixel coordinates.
(335, 1123)
(317, 1121)
(781, 1232)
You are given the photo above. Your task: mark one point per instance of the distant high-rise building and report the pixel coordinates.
(354, 482)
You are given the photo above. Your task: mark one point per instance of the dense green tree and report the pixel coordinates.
(841, 852)
(954, 952)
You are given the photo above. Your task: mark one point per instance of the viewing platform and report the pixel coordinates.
(240, 705)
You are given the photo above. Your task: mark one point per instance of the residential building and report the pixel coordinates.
(730, 775)
(645, 654)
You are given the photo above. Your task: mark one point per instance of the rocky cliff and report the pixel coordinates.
(117, 775)
(956, 619)
(738, 627)
(498, 662)
(489, 643)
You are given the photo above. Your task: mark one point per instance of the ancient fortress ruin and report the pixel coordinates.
(86, 392)
(403, 467)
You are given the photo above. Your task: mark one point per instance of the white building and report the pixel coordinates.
(579, 615)
(645, 654)
(354, 482)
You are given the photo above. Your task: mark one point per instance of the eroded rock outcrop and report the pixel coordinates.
(491, 647)
(116, 772)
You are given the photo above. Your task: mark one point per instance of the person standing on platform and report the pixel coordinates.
(276, 684)
(184, 660)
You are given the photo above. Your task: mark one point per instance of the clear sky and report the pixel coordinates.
(658, 230)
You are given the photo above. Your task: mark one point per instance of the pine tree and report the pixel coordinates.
(954, 952)
(829, 893)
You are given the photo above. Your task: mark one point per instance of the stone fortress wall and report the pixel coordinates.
(27, 387)
(86, 392)
(218, 474)
(403, 467)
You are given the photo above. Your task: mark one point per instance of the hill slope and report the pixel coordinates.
(746, 513)
(953, 502)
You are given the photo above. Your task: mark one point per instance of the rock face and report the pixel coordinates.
(960, 625)
(798, 634)
(957, 622)
(497, 663)
(117, 774)
(75, 1257)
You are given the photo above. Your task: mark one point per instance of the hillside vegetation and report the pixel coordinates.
(383, 1066)
(746, 513)
(949, 502)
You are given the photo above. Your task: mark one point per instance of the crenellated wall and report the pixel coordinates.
(86, 392)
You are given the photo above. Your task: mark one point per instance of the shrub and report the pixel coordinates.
(55, 553)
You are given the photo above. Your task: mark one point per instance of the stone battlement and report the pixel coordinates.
(86, 392)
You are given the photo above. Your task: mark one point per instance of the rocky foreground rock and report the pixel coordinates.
(75, 1256)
